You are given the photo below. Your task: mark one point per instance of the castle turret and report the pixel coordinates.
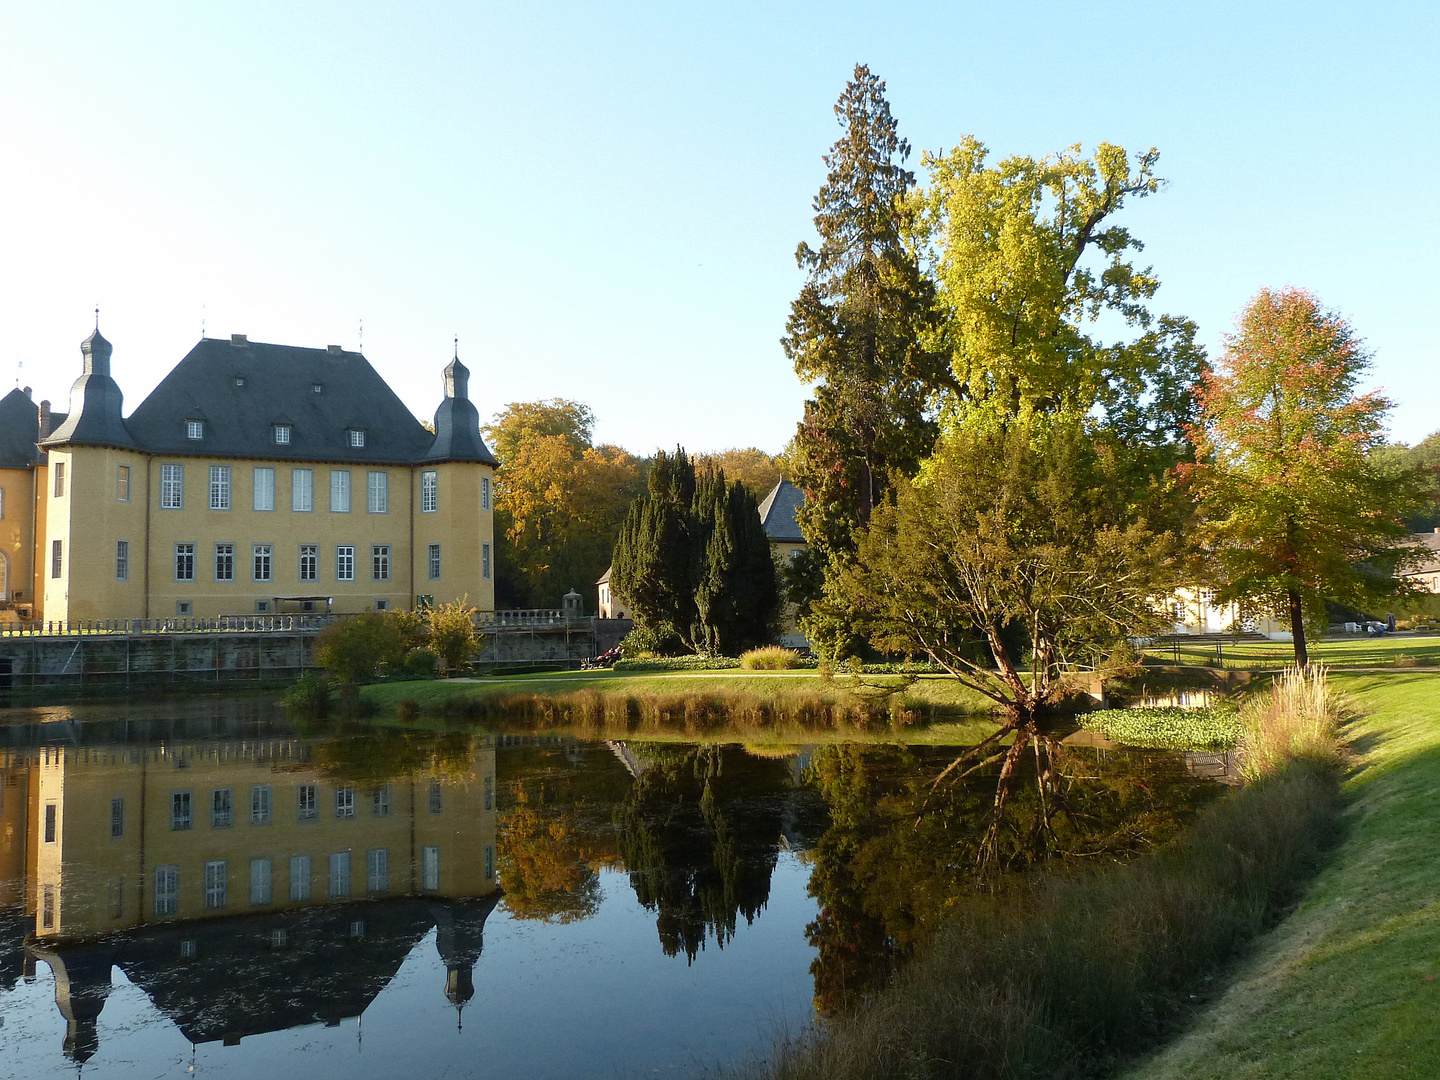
(457, 421)
(95, 402)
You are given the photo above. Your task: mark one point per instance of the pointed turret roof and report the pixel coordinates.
(457, 421)
(95, 402)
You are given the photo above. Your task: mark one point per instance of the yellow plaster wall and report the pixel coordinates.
(460, 526)
(14, 830)
(89, 518)
(15, 536)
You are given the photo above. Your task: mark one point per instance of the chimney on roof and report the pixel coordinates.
(334, 350)
(44, 418)
(239, 340)
(27, 391)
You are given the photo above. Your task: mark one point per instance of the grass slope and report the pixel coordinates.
(1357, 650)
(1347, 987)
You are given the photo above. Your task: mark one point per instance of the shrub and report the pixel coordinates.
(452, 632)
(678, 663)
(421, 661)
(311, 694)
(770, 658)
(406, 710)
(353, 648)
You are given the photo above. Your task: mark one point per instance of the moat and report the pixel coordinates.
(210, 885)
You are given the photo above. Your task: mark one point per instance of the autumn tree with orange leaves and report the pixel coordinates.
(1297, 510)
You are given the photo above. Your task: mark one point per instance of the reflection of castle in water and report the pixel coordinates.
(246, 885)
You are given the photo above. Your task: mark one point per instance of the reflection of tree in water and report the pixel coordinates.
(368, 756)
(887, 874)
(699, 834)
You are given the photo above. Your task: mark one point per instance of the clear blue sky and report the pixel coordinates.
(603, 200)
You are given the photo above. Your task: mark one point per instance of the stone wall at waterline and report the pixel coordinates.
(121, 660)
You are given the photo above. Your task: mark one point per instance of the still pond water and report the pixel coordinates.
(206, 888)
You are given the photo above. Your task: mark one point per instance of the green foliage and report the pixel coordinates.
(1422, 458)
(1171, 727)
(452, 632)
(354, 648)
(421, 661)
(692, 563)
(310, 694)
(1297, 510)
(770, 658)
(678, 663)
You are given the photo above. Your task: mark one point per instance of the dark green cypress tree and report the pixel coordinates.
(654, 568)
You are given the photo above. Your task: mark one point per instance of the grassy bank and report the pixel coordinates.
(1347, 986)
(1355, 650)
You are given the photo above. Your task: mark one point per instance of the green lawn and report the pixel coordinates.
(1353, 650)
(1347, 986)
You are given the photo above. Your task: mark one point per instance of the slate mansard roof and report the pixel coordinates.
(242, 390)
(19, 428)
(777, 513)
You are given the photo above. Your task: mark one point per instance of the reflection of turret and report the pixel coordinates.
(82, 983)
(459, 938)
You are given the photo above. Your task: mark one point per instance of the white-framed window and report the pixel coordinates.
(345, 802)
(122, 560)
(172, 487)
(59, 479)
(122, 484)
(306, 802)
(57, 558)
(339, 491)
(485, 493)
(302, 490)
(260, 885)
(485, 561)
(489, 789)
(316, 387)
(377, 492)
(429, 491)
(260, 804)
(380, 562)
(344, 562)
(432, 563)
(357, 437)
(382, 604)
(340, 874)
(263, 489)
(180, 810)
(489, 862)
(184, 562)
(219, 487)
(224, 562)
(299, 877)
(282, 434)
(167, 889)
(194, 429)
(309, 562)
(263, 566)
(435, 799)
(222, 808)
(117, 817)
(217, 883)
(52, 821)
(183, 607)
(380, 801)
(377, 870)
(430, 868)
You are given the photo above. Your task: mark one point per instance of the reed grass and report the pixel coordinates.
(1296, 719)
(770, 658)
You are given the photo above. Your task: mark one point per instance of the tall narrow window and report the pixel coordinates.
(59, 479)
(264, 557)
(345, 802)
(377, 870)
(305, 802)
(429, 491)
(260, 891)
(485, 561)
(489, 788)
(309, 562)
(299, 877)
(345, 562)
(380, 801)
(47, 907)
(194, 429)
(122, 560)
(117, 817)
(57, 558)
(116, 898)
(52, 817)
(340, 873)
(224, 562)
(430, 868)
(485, 493)
(180, 810)
(260, 804)
(489, 862)
(380, 562)
(184, 562)
(167, 890)
(222, 808)
(2, 504)
(339, 491)
(435, 799)
(172, 487)
(219, 487)
(432, 565)
(377, 492)
(122, 483)
(263, 489)
(217, 883)
(302, 490)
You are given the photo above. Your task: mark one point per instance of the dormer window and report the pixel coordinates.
(239, 380)
(357, 437)
(282, 434)
(315, 387)
(194, 429)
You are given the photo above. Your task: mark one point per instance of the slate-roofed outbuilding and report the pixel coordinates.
(19, 431)
(777, 513)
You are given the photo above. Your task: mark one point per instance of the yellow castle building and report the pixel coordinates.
(255, 478)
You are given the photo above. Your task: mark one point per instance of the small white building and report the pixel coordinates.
(607, 607)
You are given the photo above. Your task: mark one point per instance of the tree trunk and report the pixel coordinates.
(1297, 629)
